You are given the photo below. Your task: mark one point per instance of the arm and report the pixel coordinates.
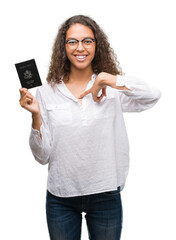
(31, 104)
(102, 80)
(135, 94)
(142, 96)
(36, 122)
(40, 137)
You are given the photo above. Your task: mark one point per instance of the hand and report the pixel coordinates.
(102, 80)
(94, 90)
(28, 102)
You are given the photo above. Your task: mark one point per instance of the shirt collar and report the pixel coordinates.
(65, 91)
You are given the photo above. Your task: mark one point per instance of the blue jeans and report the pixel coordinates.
(103, 216)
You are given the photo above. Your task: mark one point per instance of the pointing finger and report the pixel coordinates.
(84, 94)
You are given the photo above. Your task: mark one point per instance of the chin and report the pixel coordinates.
(81, 66)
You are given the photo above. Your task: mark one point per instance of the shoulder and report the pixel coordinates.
(46, 92)
(46, 88)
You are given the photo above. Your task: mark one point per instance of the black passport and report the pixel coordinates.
(28, 74)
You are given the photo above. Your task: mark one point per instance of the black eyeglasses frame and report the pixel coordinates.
(93, 39)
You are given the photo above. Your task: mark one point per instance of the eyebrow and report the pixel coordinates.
(70, 38)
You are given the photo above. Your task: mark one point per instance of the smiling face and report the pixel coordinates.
(80, 57)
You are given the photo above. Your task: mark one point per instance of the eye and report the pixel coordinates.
(88, 41)
(72, 42)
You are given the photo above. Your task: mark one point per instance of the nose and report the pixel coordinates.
(80, 46)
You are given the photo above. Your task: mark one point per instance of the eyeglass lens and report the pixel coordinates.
(87, 43)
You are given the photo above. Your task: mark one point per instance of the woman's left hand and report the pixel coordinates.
(102, 80)
(100, 83)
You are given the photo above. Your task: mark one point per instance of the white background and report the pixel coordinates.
(142, 34)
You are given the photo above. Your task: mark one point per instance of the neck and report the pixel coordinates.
(77, 75)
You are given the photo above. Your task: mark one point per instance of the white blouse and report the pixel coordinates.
(86, 145)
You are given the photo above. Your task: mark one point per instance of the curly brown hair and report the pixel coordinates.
(105, 60)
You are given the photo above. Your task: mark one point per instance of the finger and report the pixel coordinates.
(26, 94)
(23, 91)
(84, 94)
(28, 101)
(99, 98)
(27, 98)
(96, 98)
(29, 95)
(25, 102)
(104, 91)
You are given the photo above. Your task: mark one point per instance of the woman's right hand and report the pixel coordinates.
(29, 102)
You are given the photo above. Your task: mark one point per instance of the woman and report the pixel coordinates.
(79, 130)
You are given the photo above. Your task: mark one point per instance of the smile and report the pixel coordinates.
(80, 58)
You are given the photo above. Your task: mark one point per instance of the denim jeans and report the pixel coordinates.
(103, 216)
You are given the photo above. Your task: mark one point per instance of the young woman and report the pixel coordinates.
(79, 130)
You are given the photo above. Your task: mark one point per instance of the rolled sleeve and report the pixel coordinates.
(40, 141)
(140, 96)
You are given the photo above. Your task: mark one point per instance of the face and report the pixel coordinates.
(80, 56)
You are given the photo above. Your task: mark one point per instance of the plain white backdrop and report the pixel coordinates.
(142, 34)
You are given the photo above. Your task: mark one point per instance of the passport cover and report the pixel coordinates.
(28, 74)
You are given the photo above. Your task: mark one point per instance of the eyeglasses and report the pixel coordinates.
(86, 42)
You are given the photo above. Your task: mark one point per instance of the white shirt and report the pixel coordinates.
(86, 145)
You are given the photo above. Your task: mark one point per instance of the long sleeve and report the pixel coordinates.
(141, 95)
(41, 147)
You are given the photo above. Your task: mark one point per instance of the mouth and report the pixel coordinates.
(80, 58)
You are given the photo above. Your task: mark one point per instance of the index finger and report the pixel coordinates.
(84, 93)
(23, 91)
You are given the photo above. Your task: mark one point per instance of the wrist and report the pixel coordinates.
(36, 121)
(106, 79)
(35, 116)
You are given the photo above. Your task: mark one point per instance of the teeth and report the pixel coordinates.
(81, 57)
